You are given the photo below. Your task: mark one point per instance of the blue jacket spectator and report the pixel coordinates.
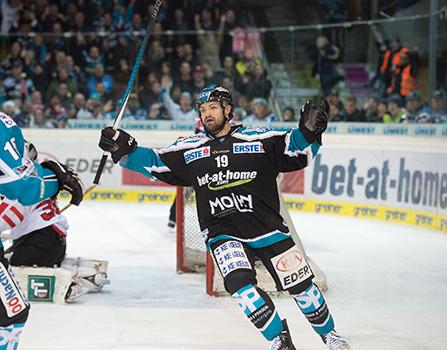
(99, 77)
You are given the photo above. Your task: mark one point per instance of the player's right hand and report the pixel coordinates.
(117, 142)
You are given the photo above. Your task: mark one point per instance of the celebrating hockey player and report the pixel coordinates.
(233, 171)
(27, 182)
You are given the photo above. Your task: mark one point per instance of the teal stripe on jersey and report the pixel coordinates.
(297, 141)
(143, 159)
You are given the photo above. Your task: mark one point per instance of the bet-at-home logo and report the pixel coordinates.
(41, 288)
(226, 179)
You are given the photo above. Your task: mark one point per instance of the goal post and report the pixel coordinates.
(192, 255)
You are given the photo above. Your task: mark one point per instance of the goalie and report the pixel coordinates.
(233, 170)
(38, 233)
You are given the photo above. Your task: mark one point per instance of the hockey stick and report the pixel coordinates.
(86, 192)
(128, 90)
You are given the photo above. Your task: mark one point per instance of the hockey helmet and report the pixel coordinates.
(218, 94)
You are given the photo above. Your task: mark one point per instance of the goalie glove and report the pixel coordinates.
(118, 142)
(68, 180)
(313, 121)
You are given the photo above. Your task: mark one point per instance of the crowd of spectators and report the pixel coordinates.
(72, 60)
(413, 109)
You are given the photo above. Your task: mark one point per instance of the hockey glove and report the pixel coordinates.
(68, 180)
(313, 121)
(117, 142)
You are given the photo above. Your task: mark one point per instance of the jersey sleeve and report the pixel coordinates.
(20, 178)
(164, 166)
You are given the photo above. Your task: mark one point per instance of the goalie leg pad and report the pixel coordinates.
(313, 305)
(260, 310)
(9, 336)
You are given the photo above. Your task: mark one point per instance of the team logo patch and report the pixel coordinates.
(248, 147)
(197, 153)
(41, 288)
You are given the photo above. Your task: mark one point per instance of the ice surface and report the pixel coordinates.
(388, 288)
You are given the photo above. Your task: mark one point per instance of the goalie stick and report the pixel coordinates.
(128, 90)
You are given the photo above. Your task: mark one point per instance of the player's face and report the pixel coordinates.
(212, 116)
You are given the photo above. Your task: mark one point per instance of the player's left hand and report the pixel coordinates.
(118, 142)
(313, 121)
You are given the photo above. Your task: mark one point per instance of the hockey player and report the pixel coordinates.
(27, 182)
(233, 171)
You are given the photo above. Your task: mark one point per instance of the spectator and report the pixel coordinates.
(184, 79)
(92, 59)
(36, 100)
(395, 110)
(65, 96)
(62, 78)
(352, 112)
(92, 110)
(382, 111)
(155, 112)
(150, 94)
(9, 11)
(324, 66)
(199, 82)
(9, 108)
(288, 115)
(261, 111)
(415, 112)
(23, 118)
(243, 108)
(100, 77)
(210, 42)
(56, 113)
(438, 107)
(403, 81)
(259, 85)
(336, 112)
(226, 48)
(79, 104)
(391, 60)
(38, 120)
(18, 85)
(133, 110)
(370, 108)
(181, 111)
(16, 54)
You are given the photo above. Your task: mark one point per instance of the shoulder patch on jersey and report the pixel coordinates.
(253, 133)
(7, 120)
(184, 143)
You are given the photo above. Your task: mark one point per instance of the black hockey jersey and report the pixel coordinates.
(234, 176)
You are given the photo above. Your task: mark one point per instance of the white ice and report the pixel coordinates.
(388, 288)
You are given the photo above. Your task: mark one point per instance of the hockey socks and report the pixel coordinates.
(260, 310)
(9, 336)
(313, 305)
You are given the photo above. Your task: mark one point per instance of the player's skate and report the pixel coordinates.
(334, 341)
(284, 340)
(75, 291)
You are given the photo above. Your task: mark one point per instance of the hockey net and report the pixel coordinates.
(192, 255)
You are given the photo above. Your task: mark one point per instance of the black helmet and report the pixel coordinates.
(215, 93)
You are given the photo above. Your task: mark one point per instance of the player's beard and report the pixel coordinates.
(216, 127)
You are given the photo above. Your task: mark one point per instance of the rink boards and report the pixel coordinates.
(398, 179)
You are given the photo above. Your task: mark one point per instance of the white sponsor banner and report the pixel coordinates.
(392, 178)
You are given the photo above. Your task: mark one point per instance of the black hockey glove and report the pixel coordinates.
(68, 180)
(313, 121)
(117, 142)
